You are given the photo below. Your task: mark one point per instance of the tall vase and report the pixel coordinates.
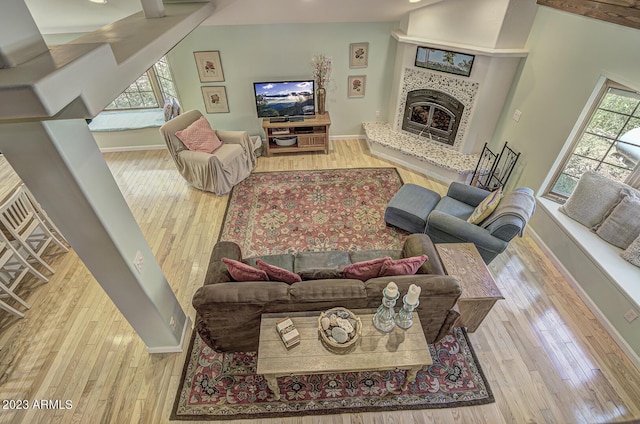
(321, 93)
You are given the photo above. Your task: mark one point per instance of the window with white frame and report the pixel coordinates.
(149, 91)
(608, 142)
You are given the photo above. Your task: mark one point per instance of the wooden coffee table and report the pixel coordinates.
(479, 289)
(399, 349)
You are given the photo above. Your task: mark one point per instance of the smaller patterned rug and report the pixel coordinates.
(225, 386)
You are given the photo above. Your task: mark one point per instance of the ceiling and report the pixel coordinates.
(68, 16)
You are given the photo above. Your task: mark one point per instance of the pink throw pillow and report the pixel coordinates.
(242, 272)
(404, 266)
(199, 136)
(364, 270)
(275, 273)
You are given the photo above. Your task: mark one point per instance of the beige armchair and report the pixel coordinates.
(217, 172)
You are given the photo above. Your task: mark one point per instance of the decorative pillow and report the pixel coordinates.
(404, 266)
(275, 273)
(632, 253)
(199, 136)
(484, 209)
(320, 274)
(243, 272)
(592, 198)
(622, 225)
(364, 270)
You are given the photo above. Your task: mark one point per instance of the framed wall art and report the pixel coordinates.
(357, 86)
(215, 99)
(358, 55)
(209, 66)
(444, 61)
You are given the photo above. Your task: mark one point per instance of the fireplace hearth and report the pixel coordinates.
(433, 115)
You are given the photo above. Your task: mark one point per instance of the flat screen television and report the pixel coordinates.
(284, 98)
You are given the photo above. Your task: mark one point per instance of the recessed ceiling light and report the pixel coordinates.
(105, 1)
(414, 1)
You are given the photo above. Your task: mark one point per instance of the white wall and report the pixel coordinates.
(251, 53)
(568, 55)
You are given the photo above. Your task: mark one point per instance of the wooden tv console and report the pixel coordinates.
(312, 134)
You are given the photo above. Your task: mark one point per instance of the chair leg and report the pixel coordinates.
(14, 296)
(11, 310)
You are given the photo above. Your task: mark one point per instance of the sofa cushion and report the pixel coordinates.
(327, 290)
(275, 273)
(632, 253)
(312, 260)
(364, 270)
(592, 198)
(484, 209)
(242, 272)
(320, 274)
(404, 266)
(199, 136)
(621, 226)
(367, 255)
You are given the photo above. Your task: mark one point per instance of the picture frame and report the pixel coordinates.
(357, 85)
(215, 99)
(209, 66)
(444, 61)
(358, 55)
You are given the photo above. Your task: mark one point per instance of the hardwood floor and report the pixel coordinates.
(547, 358)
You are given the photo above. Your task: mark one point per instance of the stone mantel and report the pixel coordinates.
(401, 37)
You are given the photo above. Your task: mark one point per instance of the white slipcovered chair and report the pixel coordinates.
(216, 172)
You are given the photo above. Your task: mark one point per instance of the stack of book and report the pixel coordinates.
(288, 332)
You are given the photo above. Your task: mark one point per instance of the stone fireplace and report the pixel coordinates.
(435, 107)
(432, 114)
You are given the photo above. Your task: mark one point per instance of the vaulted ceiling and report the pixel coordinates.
(65, 16)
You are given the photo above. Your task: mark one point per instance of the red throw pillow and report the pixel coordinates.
(275, 273)
(364, 270)
(242, 272)
(199, 136)
(404, 266)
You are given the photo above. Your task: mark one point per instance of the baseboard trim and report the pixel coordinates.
(179, 348)
(347, 137)
(133, 148)
(613, 332)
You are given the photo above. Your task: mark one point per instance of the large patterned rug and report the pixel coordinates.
(319, 210)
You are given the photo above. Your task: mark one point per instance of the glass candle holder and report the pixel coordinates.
(383, 319)
(404, 319)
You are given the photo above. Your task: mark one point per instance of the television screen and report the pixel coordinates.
(284, 98)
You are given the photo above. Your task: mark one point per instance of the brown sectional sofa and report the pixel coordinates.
(228, 312)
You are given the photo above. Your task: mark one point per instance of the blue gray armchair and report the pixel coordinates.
(416, 209)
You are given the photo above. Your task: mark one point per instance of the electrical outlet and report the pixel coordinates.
(138, 261)
(631, 315)
(516, 115)
(377, 113)
(172, 323)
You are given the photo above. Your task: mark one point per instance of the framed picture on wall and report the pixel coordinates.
(209, 66)
(358, 55)
(215, 99)
(357, 86)
(444, 61)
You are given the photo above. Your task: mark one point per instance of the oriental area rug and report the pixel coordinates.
(278, 212)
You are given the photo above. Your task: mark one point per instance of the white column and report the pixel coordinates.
(20, 39)
(61, 164)
(152, 8)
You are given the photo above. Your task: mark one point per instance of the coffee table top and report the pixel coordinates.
(375, 350)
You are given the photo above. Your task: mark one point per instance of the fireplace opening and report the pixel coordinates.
(432, 114)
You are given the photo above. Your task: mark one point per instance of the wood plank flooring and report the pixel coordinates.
(547, 358)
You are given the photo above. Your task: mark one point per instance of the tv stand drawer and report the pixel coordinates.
(311, 140)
